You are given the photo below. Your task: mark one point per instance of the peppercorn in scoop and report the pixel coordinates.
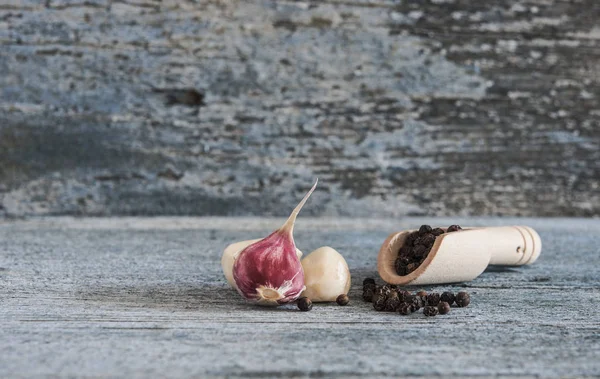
(417, 247)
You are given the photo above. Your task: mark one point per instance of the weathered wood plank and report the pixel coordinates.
(146, 298)
(232, 108)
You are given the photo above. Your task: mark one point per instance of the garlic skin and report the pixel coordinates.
(227, 258)
(269, 271)
(326, 275)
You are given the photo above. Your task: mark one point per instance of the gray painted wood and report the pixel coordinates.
(111, 107)
(146, 298)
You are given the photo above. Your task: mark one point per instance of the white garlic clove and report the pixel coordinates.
(228, 258)
(326, 275)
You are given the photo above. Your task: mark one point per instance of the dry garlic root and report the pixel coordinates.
(326, 275)
(230, 251)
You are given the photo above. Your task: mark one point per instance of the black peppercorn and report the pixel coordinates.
(411, 267)
(368, 281)
(343, 299)
(400, 267)
(387, 289)
(427, 240)
(405, 309)
(304, 304)
(417, 303)
(448, 297)
(368, 295)
(404, 251)
(418, 251)
(392, 303)
(443, 307)
(424, 229)
(462, 299)
(403, 295)
(453, 228)
(379, 302)
(372, 286)
(405, 260)
(433, 298)
(410, 239)
(422, 294)
(379, 293)
(430, 311)
(437, 232)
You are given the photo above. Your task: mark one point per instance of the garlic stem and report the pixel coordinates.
(288, 226)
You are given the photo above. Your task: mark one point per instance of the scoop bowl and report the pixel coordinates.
(462, 255)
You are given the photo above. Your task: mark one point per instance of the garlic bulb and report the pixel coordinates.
(230, 251)
(269, 271)
(326, 275)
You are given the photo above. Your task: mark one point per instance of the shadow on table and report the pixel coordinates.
(185, 295)
(173, 296)
(493, 268)
(191, 296)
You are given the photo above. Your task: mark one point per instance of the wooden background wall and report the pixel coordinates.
(437, 107)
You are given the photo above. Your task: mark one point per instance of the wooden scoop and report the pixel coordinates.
(462, 255)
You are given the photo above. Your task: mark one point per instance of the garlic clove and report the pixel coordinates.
(269, 271)
(326, 275)
(228, 258)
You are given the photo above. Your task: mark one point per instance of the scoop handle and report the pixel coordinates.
(512, 245)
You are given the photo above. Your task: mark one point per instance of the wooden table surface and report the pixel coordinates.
(146, 298)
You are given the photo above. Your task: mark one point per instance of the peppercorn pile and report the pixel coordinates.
(417, 247)
(390, 298)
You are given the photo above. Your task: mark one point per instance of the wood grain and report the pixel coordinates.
(146, 298)
(114, 107)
